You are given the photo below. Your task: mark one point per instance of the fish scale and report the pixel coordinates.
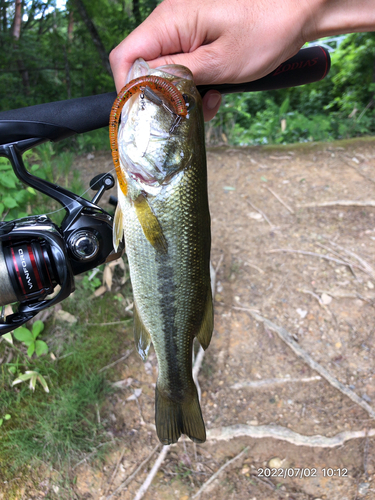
(171, 282)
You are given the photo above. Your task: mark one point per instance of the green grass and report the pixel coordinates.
(58, 429)
(53, 431)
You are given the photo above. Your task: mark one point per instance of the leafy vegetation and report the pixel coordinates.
(62, 426)
(14, 200)
(57, 55)
(63, 52)
(340, 106)
(29, 338)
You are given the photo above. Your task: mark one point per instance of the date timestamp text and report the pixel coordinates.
(302, 472)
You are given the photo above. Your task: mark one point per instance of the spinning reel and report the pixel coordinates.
(39, 258)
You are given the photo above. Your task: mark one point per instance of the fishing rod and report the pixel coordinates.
(38, 258)
(57, 120)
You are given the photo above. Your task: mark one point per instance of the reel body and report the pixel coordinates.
(39, 259)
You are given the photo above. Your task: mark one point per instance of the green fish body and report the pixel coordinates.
(166, 223)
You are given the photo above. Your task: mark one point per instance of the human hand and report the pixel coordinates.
(229, 42)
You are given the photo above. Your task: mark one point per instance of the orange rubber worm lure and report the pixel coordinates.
(157, 83)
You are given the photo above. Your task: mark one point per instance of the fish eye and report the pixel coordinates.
(189, 101)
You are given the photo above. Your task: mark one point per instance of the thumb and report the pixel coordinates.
(204, 63)
(211, 104)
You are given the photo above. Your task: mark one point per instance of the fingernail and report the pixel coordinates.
(213, 100)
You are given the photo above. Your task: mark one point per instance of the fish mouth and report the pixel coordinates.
(151, 143)
(138, 177)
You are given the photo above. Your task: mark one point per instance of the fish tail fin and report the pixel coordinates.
(175, 418)
(192, 420)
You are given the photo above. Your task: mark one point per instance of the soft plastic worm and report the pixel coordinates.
(137, 85)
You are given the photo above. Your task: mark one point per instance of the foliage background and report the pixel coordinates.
(62, 52)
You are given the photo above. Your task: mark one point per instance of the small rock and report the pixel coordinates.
(255, 215)
(326, 299)
(148, 368)
(302, 313)
(275, 463)
(370, 284)
(137, 393)
(363, 488)
(245, 470)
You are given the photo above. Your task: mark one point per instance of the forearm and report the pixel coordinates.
(239, 43)
(335, 17)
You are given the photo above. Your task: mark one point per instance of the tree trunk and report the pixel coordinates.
(16, 32)
(67, 74)
(70, 25)
(94, 35)
(17, 20)
(136, 12)
(4, 17)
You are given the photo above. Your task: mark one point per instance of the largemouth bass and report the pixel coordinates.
(163, 213)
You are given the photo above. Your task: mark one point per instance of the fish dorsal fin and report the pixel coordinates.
(142, 338)
(205, 333)
(118, 227)
(150, 224)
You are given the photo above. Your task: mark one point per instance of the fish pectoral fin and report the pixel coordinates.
(173, 418)
(150, 224)
(205, 333)
(118, 227)
(142, 338)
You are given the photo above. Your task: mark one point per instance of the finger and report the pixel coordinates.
(166, 31)
(130, 49)
(206, 63)
(211, 104)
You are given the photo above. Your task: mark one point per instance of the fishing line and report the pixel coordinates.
(80, 195)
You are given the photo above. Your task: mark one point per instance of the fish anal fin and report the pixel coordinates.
(118, 227)
(205, 333)
(175, 418)
(150, 224)
(142, 338)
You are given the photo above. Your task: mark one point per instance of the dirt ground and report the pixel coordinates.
(250, 378)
